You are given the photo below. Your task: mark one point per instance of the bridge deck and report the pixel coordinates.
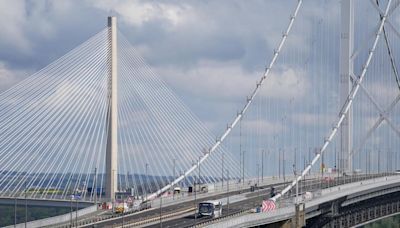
(350, 191)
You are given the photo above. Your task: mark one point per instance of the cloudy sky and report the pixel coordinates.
(210, 52)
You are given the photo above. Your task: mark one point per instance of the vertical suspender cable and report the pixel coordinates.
(345, 108)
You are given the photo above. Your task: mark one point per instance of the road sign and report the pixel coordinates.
(268, 205)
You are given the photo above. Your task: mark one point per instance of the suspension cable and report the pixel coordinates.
(240, 114)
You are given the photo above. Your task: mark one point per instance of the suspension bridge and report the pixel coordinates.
(98, 126)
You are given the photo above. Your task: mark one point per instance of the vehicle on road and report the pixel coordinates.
(307, 196)
(210, 208)
(177, 190)
(145, 205)
(120, 207)
(328, 179)
(272, 192)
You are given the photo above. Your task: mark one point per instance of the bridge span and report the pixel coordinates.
(331, 204)
(71, 131)
(346, 205)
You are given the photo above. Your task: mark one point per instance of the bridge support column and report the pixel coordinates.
(112, 137)
(346, 70)
(300, 218)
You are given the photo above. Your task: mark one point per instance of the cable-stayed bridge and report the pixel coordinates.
(98, 122)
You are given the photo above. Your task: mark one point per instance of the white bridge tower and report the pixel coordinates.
(346, 70)
(112, 114)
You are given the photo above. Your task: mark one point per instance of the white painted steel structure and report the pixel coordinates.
(346, 70)
(346, 107)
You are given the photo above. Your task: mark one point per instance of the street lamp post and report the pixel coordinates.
(240, 164)
(26, 206)
(295, 158)
(240, 147)
(283, 164)
(147, 182)
(243, 167)
(309, 159)
(396, 155)
(195, 202)
(297, 191)
(295, 176)
(15, 212)
(379, 161)
(258, 184)
(369, 162)
(71, 211)
(279, 164)
(322, 168)
(283, 147)
(387, 161)
(174, 168)
(173, 192)
(199, 172)
(258, 174)
(227, 188)
(161, 211)
(304, 167)
(222, 171)
(95, 187)
(366, 164)
(76, 212)
(262, 166)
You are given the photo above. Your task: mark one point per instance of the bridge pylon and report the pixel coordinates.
(346, 70)
(112, 114)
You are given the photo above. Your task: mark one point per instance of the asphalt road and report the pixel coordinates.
(252, 200)
(189, 220)
(136, 217)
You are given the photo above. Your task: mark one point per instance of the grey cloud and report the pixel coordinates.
(195, 41)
